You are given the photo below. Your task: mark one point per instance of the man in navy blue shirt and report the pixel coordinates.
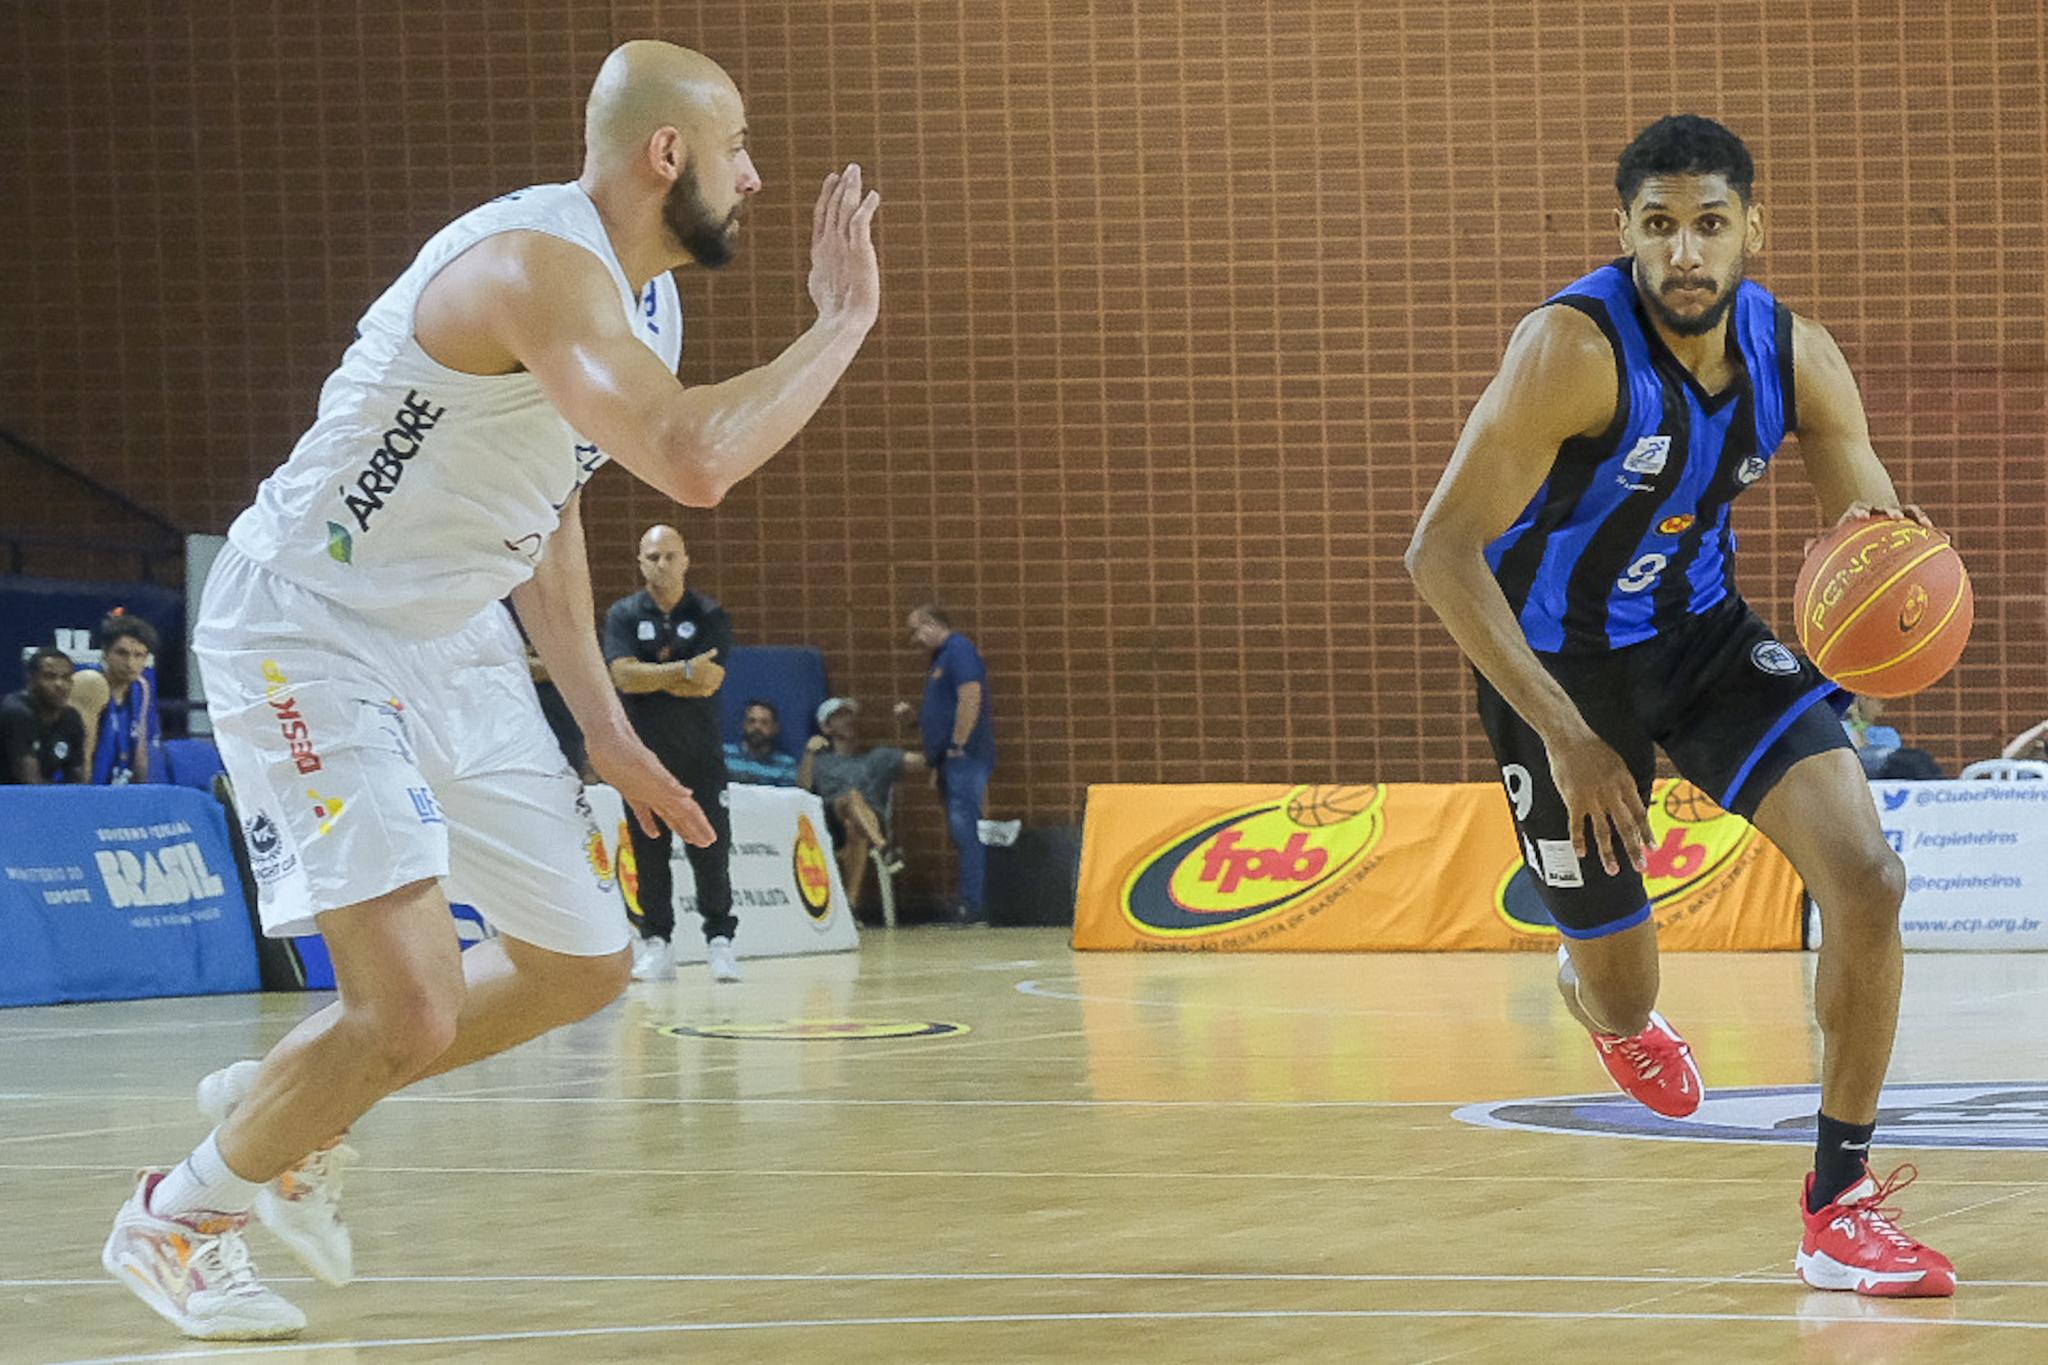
(960, 745)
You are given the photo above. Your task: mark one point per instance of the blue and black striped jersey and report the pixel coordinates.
(1629, 534)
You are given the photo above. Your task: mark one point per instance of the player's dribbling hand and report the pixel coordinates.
(650, 791)
(846, 280)
(1860, 510)
(1596, 785)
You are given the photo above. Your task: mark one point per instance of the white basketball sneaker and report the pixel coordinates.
(725, 965)
(652, 961)
(302, 1207)
(195, 1272)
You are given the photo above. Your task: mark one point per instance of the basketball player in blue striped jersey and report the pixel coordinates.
(1578, 548)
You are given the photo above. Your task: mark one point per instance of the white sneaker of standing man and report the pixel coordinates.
(725, 966)
(652, 960)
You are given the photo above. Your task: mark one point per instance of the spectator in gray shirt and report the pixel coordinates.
(855, 783)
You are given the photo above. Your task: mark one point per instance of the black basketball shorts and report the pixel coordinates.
(1730, 705)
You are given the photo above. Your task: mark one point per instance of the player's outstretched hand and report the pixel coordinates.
(846, 280)
(651, 792)
(1597, 786)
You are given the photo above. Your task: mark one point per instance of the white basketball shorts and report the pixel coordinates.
(363, 761)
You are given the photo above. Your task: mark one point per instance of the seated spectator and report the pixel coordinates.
(1881, 750)
(42, 740)
(757, 759)
(855, 784)
(2032, 744)
(117, 701)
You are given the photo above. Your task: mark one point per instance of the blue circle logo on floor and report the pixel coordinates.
(1973, 1116)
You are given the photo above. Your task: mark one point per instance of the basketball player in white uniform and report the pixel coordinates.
(370, 695)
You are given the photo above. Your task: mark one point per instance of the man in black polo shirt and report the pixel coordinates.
(667, 648)
(41, 738)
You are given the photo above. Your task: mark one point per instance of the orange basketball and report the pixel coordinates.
(1884, 606)
(1314, 807)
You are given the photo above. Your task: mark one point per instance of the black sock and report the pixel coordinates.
(1840, 1151)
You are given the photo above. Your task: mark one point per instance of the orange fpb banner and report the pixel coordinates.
(1393, 867)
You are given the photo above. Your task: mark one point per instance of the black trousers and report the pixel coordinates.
(711, 866)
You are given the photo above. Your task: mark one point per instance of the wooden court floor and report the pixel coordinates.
(1121, 1158)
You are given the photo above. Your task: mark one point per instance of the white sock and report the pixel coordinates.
(202, 1183)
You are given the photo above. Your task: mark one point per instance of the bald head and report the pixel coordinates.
(645, 86)
(665, 144)
(659, 538)
(664, 563)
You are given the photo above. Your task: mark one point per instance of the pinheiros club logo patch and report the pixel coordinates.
(1772, 657)
(1249, 864)
(1978, 1116)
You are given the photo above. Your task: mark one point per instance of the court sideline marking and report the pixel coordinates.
(1006, 1319)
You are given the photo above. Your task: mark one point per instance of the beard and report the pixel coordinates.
(710, 239)
(1705, 322)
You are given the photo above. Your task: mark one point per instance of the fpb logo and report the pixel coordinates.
(1695, 845)
(1252, 863)
(813, 874)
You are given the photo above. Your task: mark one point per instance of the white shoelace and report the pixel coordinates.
(224, 1266)
(1879, 1221)
(1647, 1067)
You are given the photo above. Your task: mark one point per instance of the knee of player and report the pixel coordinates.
(413, 1026)
(1877, 879)
(1871, 890)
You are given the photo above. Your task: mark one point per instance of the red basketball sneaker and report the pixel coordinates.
(1854, 1244)
(1654, 1067)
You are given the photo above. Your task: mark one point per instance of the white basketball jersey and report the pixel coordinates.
(421, 495)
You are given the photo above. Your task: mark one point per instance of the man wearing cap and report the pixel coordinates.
(855, 784)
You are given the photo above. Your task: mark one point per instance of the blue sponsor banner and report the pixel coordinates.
(118, 893)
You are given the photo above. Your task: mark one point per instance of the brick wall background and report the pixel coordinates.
(1184, 302)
